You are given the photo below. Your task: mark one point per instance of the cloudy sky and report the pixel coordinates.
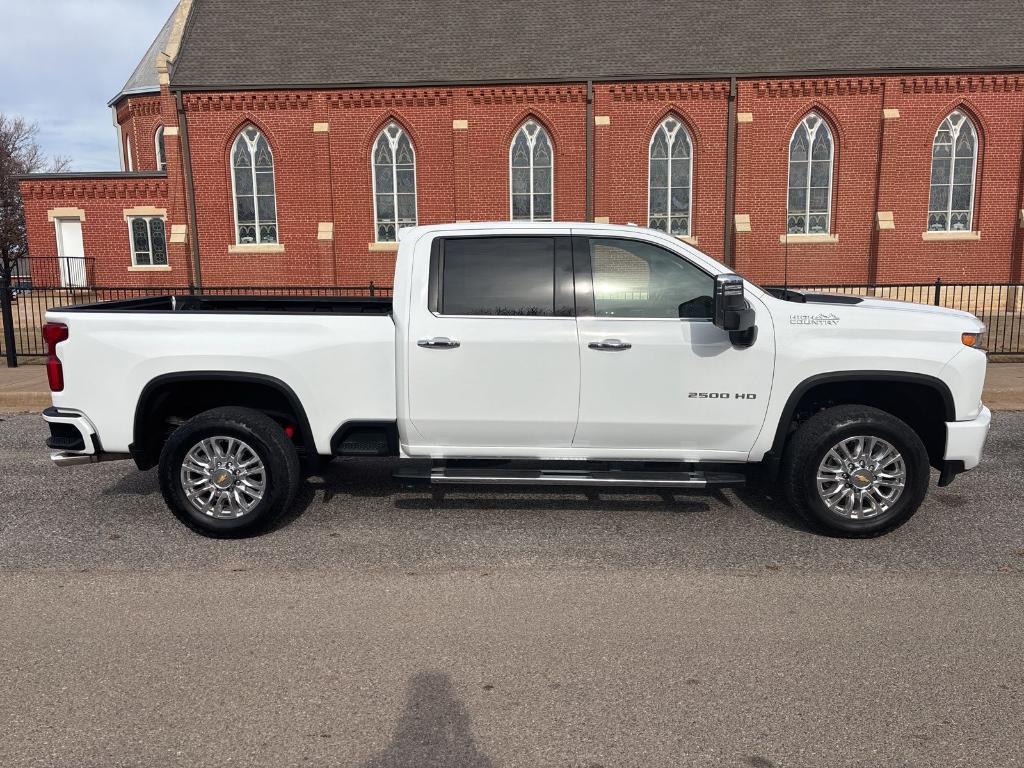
(61, 61)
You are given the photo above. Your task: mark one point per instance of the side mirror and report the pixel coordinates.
(732, 313)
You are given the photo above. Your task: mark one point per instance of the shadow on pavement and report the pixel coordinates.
(433, 730)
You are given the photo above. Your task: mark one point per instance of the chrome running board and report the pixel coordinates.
(570, 477)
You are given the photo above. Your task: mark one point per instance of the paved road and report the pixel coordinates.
(391, 628)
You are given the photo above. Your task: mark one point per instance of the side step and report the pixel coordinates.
(443, 475)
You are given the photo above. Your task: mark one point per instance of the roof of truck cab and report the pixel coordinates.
(263, 44)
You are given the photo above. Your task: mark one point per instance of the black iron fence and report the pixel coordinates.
(38, 284)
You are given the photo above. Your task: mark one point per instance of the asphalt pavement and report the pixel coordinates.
(388, 627)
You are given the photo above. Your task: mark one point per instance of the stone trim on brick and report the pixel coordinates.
(602, 120)
(943, 236)
(170, 130)
(150, 268)
(742, 222)
(257, 248)
(321, 127)
(325, 230)
(65, 213)
(744, 117)
(144, 210)
(890, 113)
(809, 238)
(885, 220)
(383, 247)
(460, 125)
(178, 233)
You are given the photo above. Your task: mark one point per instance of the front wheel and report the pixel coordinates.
(229, 472)
(855, 471)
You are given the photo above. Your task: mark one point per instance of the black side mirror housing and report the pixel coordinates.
(732, 312)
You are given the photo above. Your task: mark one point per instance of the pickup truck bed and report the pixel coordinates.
(335, 305)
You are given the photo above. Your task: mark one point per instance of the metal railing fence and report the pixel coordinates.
(41, 283)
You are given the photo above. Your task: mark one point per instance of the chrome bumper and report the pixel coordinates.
(85, 449)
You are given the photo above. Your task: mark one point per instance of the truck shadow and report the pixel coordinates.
(434, 729)
(371, 479)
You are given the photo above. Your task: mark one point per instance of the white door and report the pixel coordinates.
(656, 375)
(71, 251)
(493, 358)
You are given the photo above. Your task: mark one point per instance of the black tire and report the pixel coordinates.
(270, 443)
(808, 446)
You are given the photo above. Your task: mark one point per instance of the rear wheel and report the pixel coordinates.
(229, 472)
(855, 471)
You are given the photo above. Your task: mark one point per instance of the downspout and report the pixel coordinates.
(875, 243)
(190, 194)
(589, 204)
(730, 176)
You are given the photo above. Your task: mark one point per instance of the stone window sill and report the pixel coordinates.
(943, 236)
(383, 247)
(822, 238)
(257, 248)
(688, 239)
(149, 268)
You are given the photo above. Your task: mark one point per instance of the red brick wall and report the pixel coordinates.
(463, 174)
(139, 117)
(104, 230)
(621, 151)
(996, 106)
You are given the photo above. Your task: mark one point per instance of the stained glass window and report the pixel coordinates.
(252, 179)
(954, 166)
(149, 245)
(394, 183)
(531, 173)
(670, 173)
(810, 177)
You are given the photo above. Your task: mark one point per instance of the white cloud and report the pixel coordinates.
(61, 61)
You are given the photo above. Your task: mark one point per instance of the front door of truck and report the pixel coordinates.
(493, 356)
(656, 375)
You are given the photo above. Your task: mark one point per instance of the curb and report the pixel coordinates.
(24, 402)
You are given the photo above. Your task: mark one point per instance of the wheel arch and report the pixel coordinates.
(156, 394)
(848, 385)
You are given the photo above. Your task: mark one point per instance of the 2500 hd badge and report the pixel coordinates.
(724, 396)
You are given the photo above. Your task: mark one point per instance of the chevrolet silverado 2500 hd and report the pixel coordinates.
(529, 354)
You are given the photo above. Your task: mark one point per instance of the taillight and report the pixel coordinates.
(54, 334)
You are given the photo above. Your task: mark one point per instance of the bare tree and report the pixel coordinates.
(20, 153)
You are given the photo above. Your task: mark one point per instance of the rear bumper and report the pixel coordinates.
(965, 440)
(73, 439)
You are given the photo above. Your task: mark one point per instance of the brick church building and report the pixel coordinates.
(284, 143)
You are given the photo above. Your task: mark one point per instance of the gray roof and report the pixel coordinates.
(268, 43)
(144, 78)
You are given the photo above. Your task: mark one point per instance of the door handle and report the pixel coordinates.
(438, 342)
(611, 345)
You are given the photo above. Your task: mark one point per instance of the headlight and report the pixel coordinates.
(973, 339)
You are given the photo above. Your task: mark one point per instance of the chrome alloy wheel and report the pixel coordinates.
(223, 477)
(861, 477)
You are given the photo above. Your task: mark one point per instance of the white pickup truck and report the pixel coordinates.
(527, 354)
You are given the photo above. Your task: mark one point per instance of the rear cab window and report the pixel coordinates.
(510, 276)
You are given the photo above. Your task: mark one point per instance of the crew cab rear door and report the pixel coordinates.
(656, 375)
(493, 357)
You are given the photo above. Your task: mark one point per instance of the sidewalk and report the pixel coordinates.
(24, 388)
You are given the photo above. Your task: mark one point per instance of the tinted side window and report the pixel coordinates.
(510, 276)
(637, 279)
